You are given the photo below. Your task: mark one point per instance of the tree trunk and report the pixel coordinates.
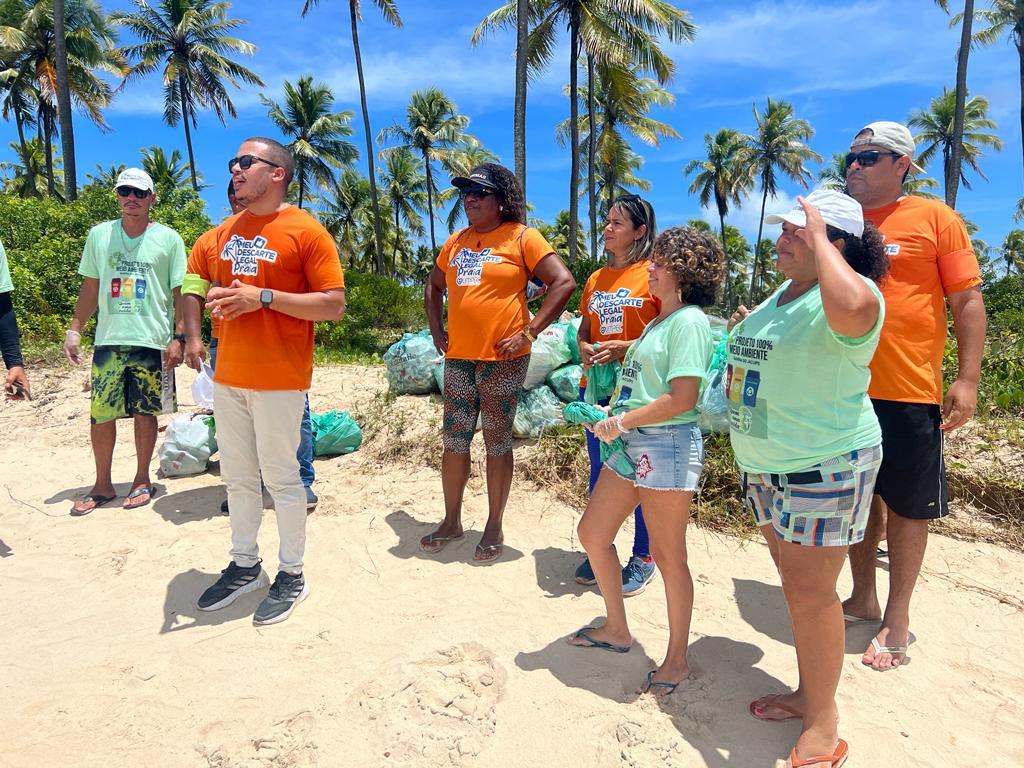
(394, 256)
(728, 265)
(430, 202)
(67, 131)
(30, 170)
(757, 243)
(51, 183)
(1020, 69)
(519, 120)
(953, 178)
(378, 242)
(302, 185)
(591, 156)
(574, 136)
(185, 115)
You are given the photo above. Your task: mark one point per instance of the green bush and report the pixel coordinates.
(379, 310)
(581, 270)
(44, 240)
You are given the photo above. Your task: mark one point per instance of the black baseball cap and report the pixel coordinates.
(480, 177)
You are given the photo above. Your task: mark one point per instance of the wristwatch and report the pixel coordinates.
(181, 338)
(266, 296)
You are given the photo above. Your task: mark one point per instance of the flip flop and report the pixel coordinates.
(96, 501)
(879, 648)
(435, 544)
(581, 634)
(772, 700)
(849, 618)
(835, 760)
(652, 684)
(137, 493)
(497, 549)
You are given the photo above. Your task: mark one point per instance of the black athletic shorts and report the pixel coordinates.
(912, 478)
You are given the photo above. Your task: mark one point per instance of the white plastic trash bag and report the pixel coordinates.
(548, 352)
(202, 388)
(539, 409)
(189, 442)
(411, 361)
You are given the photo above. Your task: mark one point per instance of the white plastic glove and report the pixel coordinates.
(72, 346)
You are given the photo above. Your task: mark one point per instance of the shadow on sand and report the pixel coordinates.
(410, 530)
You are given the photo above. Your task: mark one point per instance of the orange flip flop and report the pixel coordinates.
(835, 760)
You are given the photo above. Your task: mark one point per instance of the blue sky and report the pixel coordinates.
(841, 64)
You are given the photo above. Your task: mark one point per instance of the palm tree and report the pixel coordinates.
(724, 175)
(965, 19)
(90, 54)
(557, 233)
(1013, 251)
(105, 178)
(67, 131)
(1006, 17)
(189, 39)
(617, 32)
(389, 9)
(460, 163)
(404, 186)
(168, 173)
(342, 211)
(937, 132)
(920, 186)
(833, 175)
(436, 131)
(20, 102)
(519, 113)
(777, 147)
(26, 177)
(315, 131)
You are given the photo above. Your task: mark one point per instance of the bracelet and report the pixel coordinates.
(529, 334)
(181, 338)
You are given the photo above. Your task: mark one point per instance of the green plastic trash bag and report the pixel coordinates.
(538, 410)
(601, 381)
(713, 403)
(335, 433)
(565, 382)
(439, 375)
(572, 331)
(587, 413)
(410, 364)
(547, 353)
(189, 442)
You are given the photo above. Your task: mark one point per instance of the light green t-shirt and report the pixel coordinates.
(797, 390)
(678, 346)
(137, 279)
(6, 286)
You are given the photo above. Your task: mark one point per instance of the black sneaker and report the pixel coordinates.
(234, 582)
(224, 508)
(311, 499)
(285, 593)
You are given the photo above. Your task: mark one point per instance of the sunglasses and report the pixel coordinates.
(141, 194)
(245, 162)
(868, 157)
(477, 192)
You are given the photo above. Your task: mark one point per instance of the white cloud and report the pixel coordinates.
(747, 215)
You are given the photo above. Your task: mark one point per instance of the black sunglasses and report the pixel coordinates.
(141, 194)
(475, 192)
(868, 157)
(245, 162)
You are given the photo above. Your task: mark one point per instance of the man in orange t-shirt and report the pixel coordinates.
(278, 272)
(932, 263)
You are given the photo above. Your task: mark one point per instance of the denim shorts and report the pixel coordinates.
(665, 458)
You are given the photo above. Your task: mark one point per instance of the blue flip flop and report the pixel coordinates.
(582, 635)
(652, 684)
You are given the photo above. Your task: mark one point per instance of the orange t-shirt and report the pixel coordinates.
(205, 252)
(286, 251)
(930, 256)
(486, 278)
(618, 303)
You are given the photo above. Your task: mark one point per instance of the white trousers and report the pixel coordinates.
(258, 434)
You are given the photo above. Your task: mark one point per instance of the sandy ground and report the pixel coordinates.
(398, 658)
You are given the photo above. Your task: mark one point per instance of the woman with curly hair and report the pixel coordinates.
(484, 269)
(617, 304)
(654, 414)
(807, 440)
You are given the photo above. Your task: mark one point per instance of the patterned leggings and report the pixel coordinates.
(485, 388)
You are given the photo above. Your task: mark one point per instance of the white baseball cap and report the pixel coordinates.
(837, 209)
(893, 136)
(134, 177)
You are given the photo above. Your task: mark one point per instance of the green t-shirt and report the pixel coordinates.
(6, 286)
(137, 279)
(678, 346)
(797, 390)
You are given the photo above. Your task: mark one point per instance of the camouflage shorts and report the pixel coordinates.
(130, 381)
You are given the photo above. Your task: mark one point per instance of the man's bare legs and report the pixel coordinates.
(103, 437)
(145, 444)
(863, 601)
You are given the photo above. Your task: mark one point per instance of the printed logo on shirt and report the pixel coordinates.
(893, 249)
(609, 309)
(471, 265)
(245, 255)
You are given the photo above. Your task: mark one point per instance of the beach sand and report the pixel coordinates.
(403, 659)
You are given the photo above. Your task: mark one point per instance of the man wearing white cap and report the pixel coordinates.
(932, 263)
(132, 269)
